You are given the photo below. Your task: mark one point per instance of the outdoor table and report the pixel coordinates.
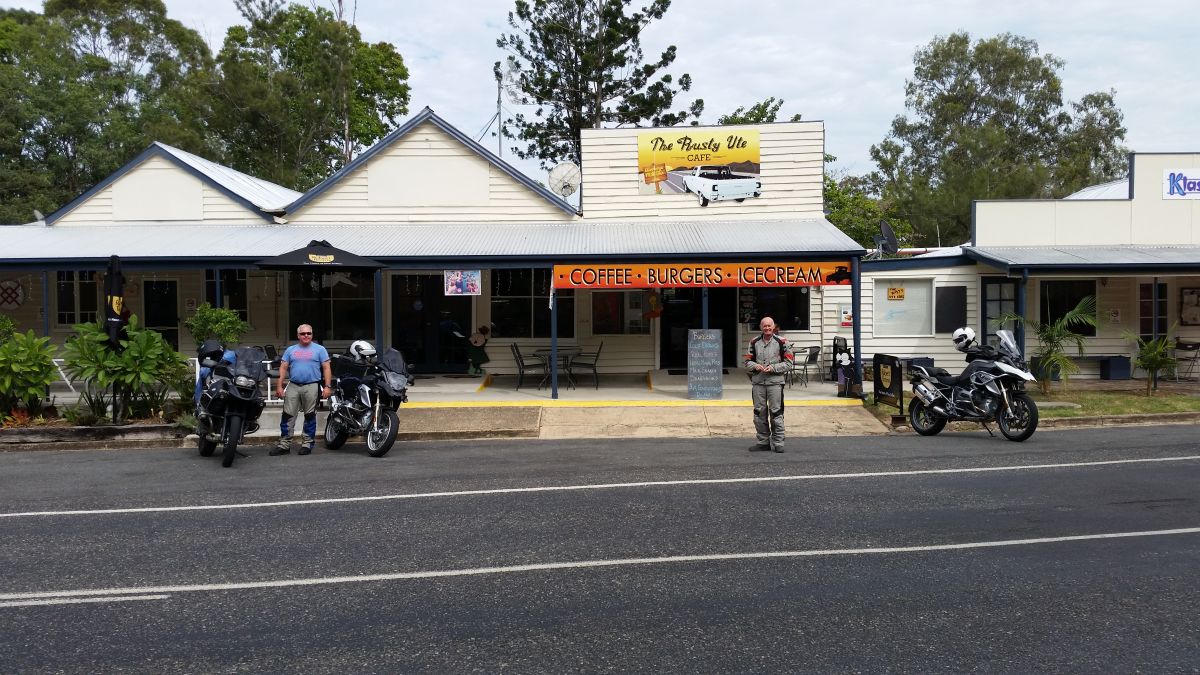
(565, 355)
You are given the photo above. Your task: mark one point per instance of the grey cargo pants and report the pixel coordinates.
(768, 414)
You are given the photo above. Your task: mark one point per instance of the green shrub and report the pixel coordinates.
(7, 328)
(213, 322)
(1153, 356)
(26, 371)
(144, 372)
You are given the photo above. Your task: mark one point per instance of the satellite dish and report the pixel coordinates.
(888, 244)
(564, 179)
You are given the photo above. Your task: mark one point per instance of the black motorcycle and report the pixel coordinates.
(231, 399)
(992, 387)
(364, 400)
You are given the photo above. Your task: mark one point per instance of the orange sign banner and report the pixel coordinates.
(701, 275)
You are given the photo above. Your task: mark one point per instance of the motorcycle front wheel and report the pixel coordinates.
(335, 433)
(382, 434)
(207, 447)
(233, 434)
(1020, 420)
(924, 421)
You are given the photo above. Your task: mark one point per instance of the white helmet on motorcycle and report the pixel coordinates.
(361, 350)
(963, 338)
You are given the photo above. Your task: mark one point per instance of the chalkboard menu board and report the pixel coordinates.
(704, 364)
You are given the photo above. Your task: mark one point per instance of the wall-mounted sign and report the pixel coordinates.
(461, 282)
(720, 164)
(894, 293)
(1181, 183)
(847, 312)
(701, 275)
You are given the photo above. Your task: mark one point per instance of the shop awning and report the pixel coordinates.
(209, 245)
(1161, 260)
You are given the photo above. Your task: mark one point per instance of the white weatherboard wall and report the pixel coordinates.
(1148, 219)
(428, 176)
(792, 166)
(157, 191)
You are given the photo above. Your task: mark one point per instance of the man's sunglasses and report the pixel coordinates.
(303, 333)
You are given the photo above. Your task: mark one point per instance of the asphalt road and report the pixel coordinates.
(1078, 551)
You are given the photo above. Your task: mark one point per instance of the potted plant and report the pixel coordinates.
(1153, 356)
(1053, 337)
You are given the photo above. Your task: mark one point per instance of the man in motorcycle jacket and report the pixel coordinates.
(768, 359)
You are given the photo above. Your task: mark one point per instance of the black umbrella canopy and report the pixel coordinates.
(318, 255)
(114, 300)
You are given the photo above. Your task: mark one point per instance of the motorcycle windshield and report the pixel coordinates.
(250, 363)
(1008, 344)
(392, 360)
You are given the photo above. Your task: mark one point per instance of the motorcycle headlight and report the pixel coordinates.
(396, 381)
(243, 381)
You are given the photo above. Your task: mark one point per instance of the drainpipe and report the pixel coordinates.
(379, 311)
(856, 307)
(1154, 314)
(45, 303)
(217, 277)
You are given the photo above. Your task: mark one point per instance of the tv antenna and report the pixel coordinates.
(564, 179)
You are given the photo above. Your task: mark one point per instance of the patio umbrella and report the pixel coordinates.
(114, 301)
(316, 256)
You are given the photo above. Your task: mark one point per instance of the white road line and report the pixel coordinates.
(581, 564)
(597, 486)
(76, 601)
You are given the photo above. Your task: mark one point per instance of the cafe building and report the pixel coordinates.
(675, 229)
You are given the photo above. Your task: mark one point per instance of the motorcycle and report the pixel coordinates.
(992, 387)
(231, 400)
(364, 400)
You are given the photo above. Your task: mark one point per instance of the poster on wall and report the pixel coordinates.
(461, 282)
(712, 164)
(847, 313)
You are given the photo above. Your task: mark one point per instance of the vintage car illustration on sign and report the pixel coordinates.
(841, 275)
(718, 183)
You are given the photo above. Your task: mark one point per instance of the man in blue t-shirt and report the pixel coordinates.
(305, 366)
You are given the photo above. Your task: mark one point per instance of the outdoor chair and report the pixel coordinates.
(588, 361)
(799, 371)
(1186, 356)
(528, 363)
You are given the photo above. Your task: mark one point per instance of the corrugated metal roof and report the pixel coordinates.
(1085, 257)
(264, 194)
(1117, 189)
(776, 239)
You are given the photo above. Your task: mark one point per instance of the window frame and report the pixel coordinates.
(782, 320)
(327, 300)
(876, 305)
(629, 309)
(564, 300)
(76, 312)
(1043, 311)
(242, 277)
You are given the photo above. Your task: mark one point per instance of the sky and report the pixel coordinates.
(844, 64)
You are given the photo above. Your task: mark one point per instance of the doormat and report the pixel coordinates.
(683, 371)
(460, 376)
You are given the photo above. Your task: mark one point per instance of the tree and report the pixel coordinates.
(759, 113)
(580, 63)
(850, 207)
(987, 121)
(299, 92)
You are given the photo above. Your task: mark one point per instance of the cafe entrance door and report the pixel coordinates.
(683, 309)
(429, 327)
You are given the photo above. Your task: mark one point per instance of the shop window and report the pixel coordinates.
(1146, 328)
(338, 305)
(521, 304)
(78, 298)
(1061, 296)
(788, 306)
(619, 313)
(233, 291)
(903, 307)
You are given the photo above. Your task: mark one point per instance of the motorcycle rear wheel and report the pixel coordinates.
(923, 420)
(335, 434)
(382, 435)
(233, 434)
(1020, 420)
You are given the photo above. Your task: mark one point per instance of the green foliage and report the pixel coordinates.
(759, 113)
(853, 211)
(216, 322)
(26, 370)
(986, 120)
(298, 92)
(87, 86)
(1153, 355)
(580, 63)
(143, 372)
(7, 328)
(1053, 338)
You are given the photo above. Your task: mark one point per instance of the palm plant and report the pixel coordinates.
(1053, 338)
(1153, 356)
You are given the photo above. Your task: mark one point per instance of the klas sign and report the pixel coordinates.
(702, 275)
